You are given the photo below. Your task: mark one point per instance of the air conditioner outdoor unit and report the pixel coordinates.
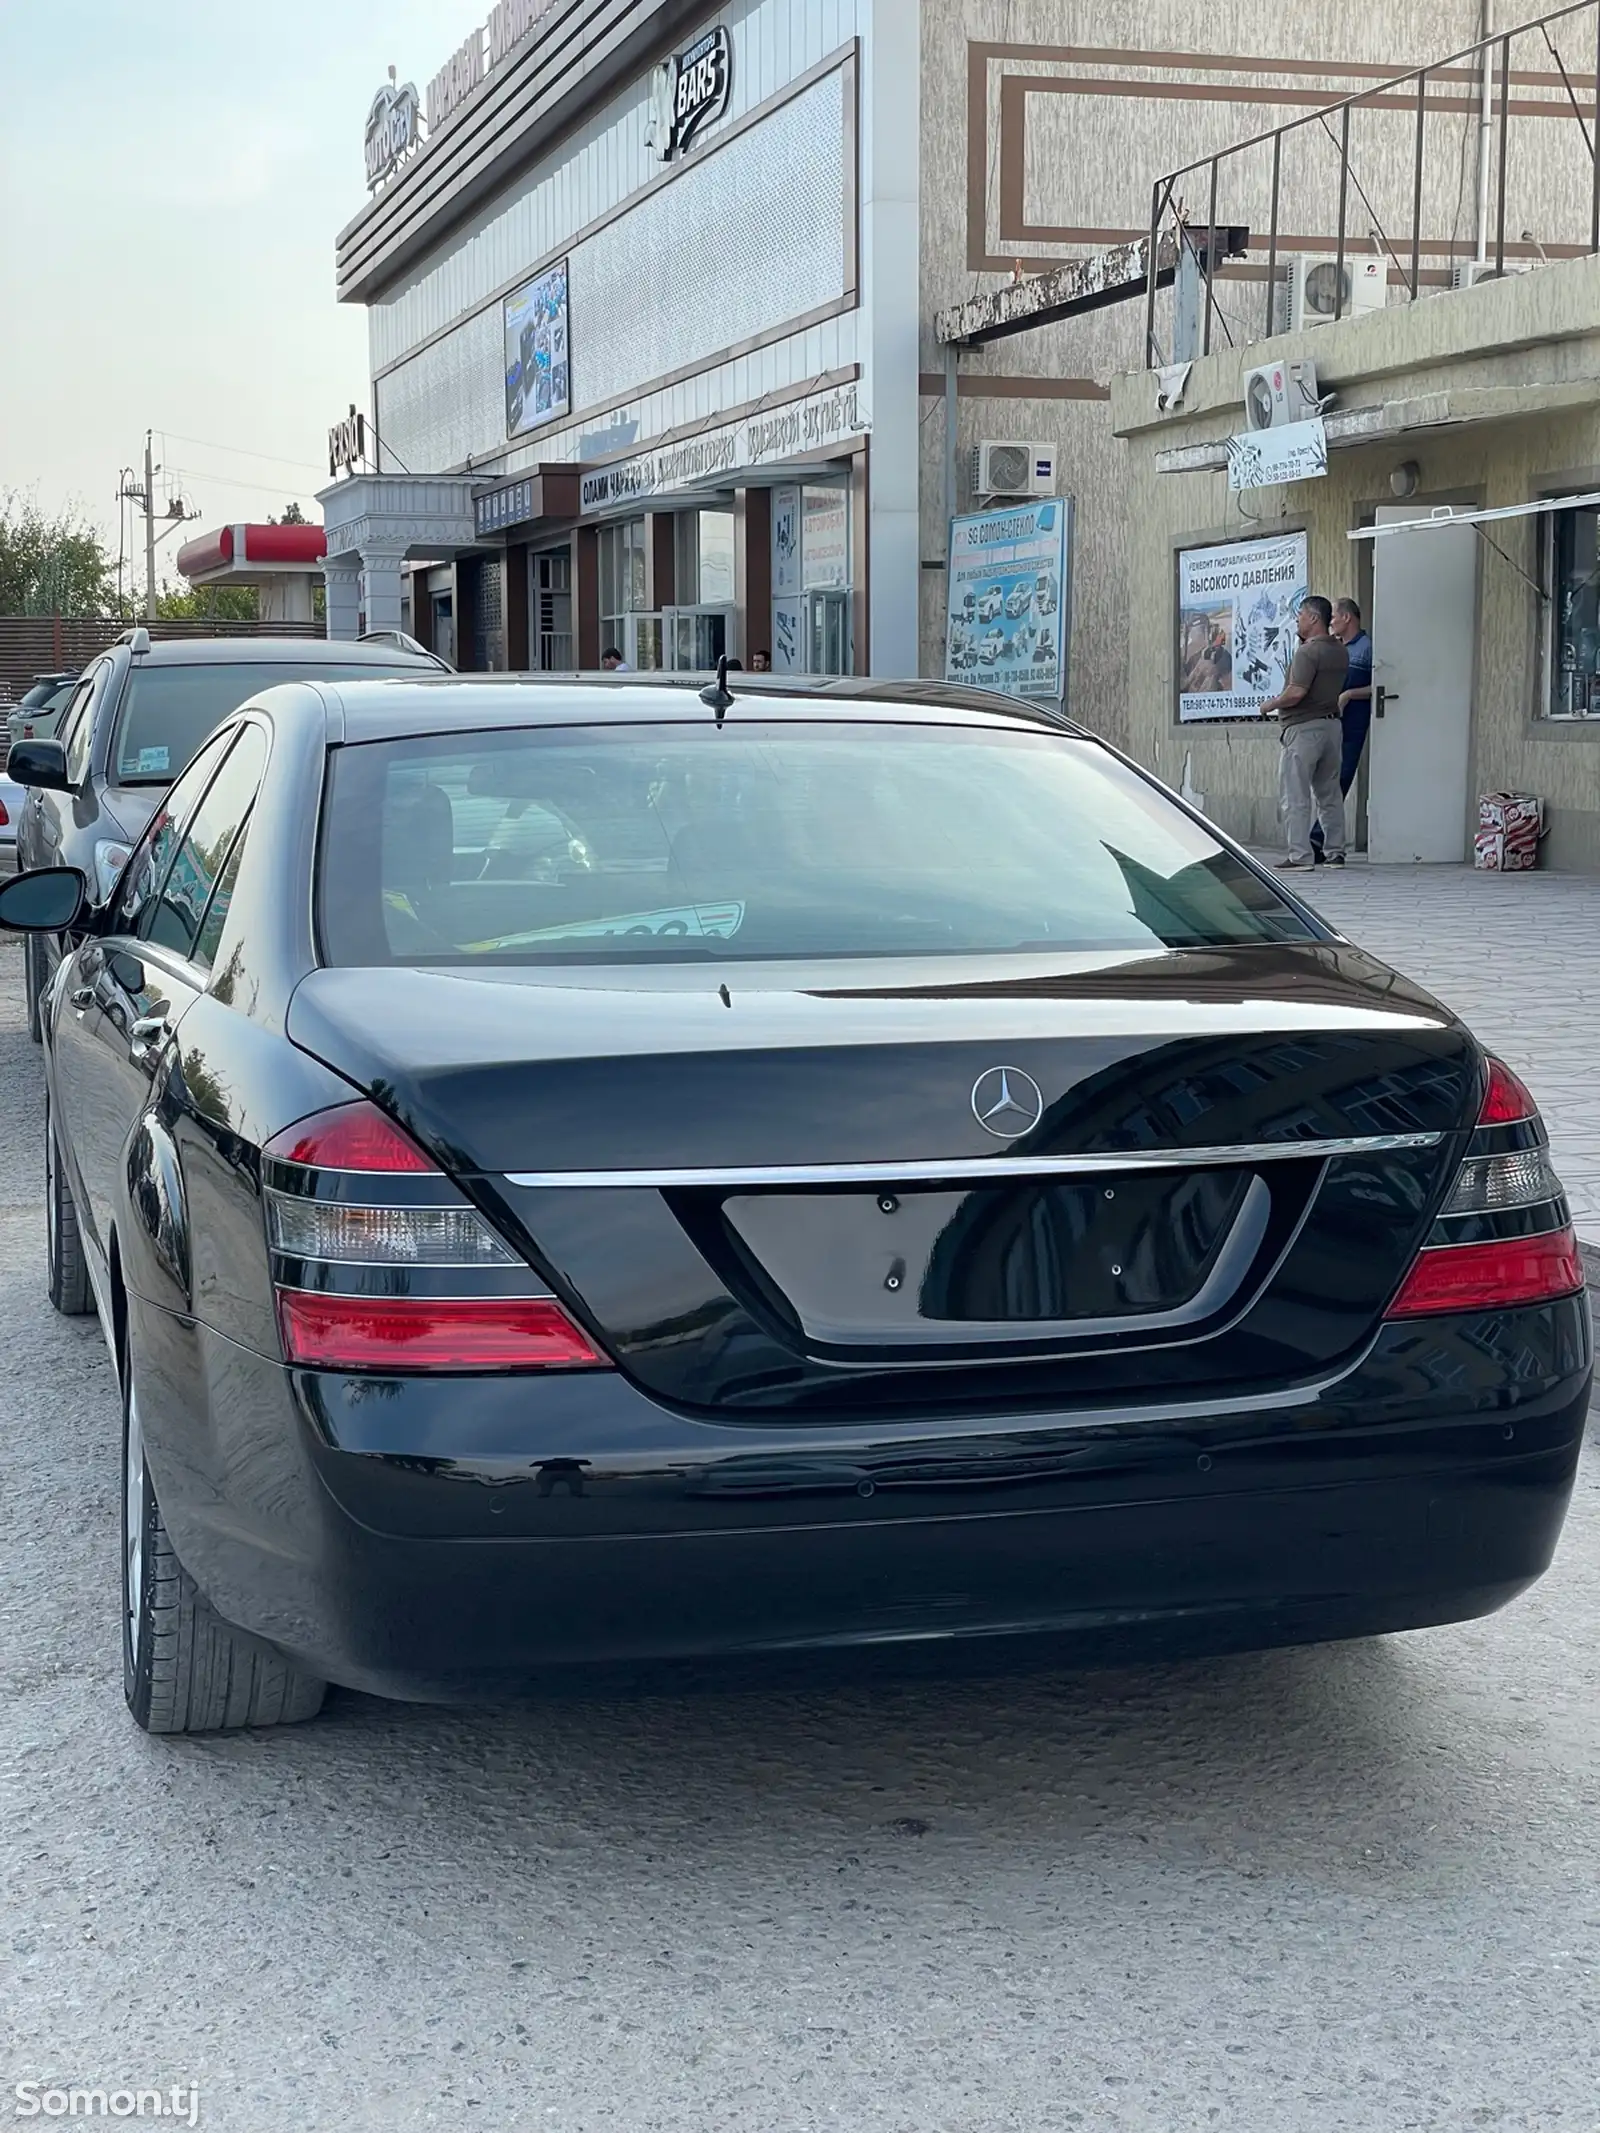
(1276, 393)
(1007, 469)
(1310, 294)
(1469, 272)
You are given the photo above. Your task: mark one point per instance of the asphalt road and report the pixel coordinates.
(1354, 1890)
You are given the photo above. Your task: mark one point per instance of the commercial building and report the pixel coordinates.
(1442, 465)
(672, 318)
(643, 320)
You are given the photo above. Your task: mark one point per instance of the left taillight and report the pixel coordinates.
(381, 1265)
(1504, 1237)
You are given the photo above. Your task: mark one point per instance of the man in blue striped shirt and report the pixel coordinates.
(1355, 701)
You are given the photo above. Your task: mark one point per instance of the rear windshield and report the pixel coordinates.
(790, 840)
(168, 711)
(47, 695)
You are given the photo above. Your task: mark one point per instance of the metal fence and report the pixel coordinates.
(55, 644)
(1517, 109)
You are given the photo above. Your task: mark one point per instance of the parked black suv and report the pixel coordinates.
(138, 714)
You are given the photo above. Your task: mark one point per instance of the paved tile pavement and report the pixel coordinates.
(1517, 955)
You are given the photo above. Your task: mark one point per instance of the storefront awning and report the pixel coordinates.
(1449, 515)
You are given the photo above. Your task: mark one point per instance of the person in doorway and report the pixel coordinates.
(613, 662)
(1355, 704)
(760, 662)
(1307, 708)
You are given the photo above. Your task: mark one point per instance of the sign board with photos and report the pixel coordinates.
(538, 374)
(1007, 599)
(1237, 604)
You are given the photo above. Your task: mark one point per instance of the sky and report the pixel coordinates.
(172, 177)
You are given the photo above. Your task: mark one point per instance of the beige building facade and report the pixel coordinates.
(1485, 400)
(1045, 126)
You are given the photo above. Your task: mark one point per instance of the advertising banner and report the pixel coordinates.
(1007, 599)
(538, 379)
(1236, 635)
(1294, 451)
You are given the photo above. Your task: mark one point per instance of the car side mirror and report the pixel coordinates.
(47, 900)
(39, 762)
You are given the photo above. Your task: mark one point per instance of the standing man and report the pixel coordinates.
(613, 662)
(1355, 703)
(1312, 738)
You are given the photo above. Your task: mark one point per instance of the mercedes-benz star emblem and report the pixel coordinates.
(1006, 1102)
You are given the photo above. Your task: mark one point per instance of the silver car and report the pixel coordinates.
(35, 717)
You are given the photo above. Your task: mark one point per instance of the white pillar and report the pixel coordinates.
(343, 584)
(286, 598)
(891, 120)
(380, 587)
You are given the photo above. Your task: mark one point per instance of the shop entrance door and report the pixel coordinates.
(1424, 633)
(680, 639)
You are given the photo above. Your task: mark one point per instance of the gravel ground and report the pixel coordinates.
(1354, 1890)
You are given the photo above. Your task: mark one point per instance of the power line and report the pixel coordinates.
(232, 481)
(210, 444)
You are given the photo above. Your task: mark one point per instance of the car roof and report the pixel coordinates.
(276, 651)
(394, 708)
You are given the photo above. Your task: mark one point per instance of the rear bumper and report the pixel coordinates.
(463, 1539)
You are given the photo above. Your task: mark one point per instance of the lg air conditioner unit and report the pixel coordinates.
(1276, 393)
(1317, 288)
(1469, 272)
(1007, 469)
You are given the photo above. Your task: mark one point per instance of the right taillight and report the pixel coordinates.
(1504, 1236)
(381, 1265)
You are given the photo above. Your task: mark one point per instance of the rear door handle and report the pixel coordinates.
(146, 1038)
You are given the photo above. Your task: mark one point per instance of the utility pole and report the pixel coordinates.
(145, 498)
(149, 533)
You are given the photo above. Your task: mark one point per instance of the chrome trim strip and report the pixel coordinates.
(981, 1169)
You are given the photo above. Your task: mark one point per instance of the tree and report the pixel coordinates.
(206, 603)
(51, 566)
(292, 516)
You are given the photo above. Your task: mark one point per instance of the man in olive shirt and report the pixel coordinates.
(1308, 710)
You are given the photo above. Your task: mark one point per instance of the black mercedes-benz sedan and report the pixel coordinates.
(576, 1173)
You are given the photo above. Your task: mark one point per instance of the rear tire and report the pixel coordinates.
(33, 977)
(69, 1269)
(184, 1670)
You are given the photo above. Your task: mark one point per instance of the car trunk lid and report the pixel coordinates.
(836, 1186)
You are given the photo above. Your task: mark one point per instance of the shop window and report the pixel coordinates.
(811, 579)
(703, 559)
(1572, 572)
(622, 578)
(551, 588)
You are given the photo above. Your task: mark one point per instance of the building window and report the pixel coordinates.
(622, 579)
(1572, 545)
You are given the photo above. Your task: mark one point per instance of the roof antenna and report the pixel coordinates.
(716, 695)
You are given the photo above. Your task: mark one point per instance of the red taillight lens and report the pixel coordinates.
(354, 1136)
(397, 1335)
(1506, 1101)
(1500, 1275)
(4, 817)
